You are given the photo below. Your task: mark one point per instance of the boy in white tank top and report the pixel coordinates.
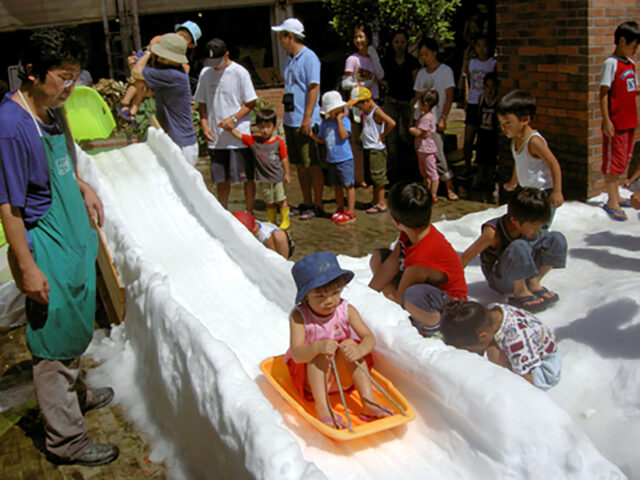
(376, 127)
(535, 165)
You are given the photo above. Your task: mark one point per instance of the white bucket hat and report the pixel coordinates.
(292, 25)
(330, 101)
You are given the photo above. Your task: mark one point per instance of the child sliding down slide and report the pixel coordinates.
(320, 328)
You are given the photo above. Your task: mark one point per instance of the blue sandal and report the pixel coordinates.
(617, 215)
(522, 302)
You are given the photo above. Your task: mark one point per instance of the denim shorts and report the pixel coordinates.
(547, 374)
(341, 174)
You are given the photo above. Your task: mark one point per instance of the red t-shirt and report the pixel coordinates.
(620, 76)
(435, 252)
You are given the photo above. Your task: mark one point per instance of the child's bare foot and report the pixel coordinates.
(334, 421)
(373, 411)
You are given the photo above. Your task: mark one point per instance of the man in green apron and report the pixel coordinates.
(44, 207)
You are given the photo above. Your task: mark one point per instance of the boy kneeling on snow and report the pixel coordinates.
(511, 338)
(515, 255)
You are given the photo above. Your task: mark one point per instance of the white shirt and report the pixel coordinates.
(224, 92)
(441, 79)
(532, 172)
(477, 71)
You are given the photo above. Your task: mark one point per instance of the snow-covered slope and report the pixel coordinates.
(206, 303)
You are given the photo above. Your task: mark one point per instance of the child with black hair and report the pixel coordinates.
(618, 89)
(535, 165)
(510, 337)
(423, 272)
(324, 328)
(487, 141)
(514, 258)
(272, 164)
(376, 126)
(425, 144)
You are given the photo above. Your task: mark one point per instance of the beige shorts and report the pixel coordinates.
(273, 192)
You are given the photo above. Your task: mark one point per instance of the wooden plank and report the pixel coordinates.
(113, 299)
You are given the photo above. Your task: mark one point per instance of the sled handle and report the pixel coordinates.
(344, 402)
(378, 386)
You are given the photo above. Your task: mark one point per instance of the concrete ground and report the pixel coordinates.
(22, 444)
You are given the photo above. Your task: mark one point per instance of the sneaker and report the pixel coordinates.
(338, 213)
(92, 456)
(97, 398)
(344, 218)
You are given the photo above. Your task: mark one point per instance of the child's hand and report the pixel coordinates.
(351, 350)
(327, 347)
(510, 186)
(556, 199)
(287, 178)
(607, 127)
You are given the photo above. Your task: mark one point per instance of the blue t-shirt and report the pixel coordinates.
(338, 150)
(300, 72)
(173, 102)
(24, 173)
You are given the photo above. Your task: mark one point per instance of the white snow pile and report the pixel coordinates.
(206, 303)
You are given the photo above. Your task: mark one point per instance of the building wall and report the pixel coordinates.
(554, 50)
(543, 47)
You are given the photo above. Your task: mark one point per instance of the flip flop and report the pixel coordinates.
(548, 300)
(617, 215)
(334, 422)
(522, 303)
(626, 203)
(376, 414)
(376, 209)
(453, 196)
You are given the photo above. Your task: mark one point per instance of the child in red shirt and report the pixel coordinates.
(423, 272)
(618, 89)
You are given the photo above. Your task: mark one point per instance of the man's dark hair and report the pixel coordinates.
(529, 205)
(49, 48)
(410, 204)
(266, 115)
(519, 103)
(630, 31)
(461, 321)
(430, 43)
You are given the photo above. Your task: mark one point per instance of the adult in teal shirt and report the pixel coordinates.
(45, 212)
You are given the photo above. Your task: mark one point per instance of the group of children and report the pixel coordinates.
(423, 272)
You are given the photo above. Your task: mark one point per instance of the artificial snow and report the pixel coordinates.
(206, 303)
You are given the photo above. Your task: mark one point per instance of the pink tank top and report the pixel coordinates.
(335, 327)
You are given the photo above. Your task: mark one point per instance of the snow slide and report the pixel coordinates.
(206, 303)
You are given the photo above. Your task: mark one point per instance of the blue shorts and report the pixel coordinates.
(547, 374)
(341, 174)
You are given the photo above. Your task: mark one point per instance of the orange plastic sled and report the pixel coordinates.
(277, 373)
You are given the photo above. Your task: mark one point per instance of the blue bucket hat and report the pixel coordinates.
(315, 270)
(192, 28)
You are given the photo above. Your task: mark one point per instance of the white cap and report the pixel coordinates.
(292, 25)
(330, 101)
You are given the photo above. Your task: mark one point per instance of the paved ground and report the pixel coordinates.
(21, 445)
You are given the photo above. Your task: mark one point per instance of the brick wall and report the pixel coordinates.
(604, 17)
(554, 49)
(543, 47)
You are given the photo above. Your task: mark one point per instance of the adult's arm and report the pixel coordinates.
(312, 99)
(29, 278)
(92, 202)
